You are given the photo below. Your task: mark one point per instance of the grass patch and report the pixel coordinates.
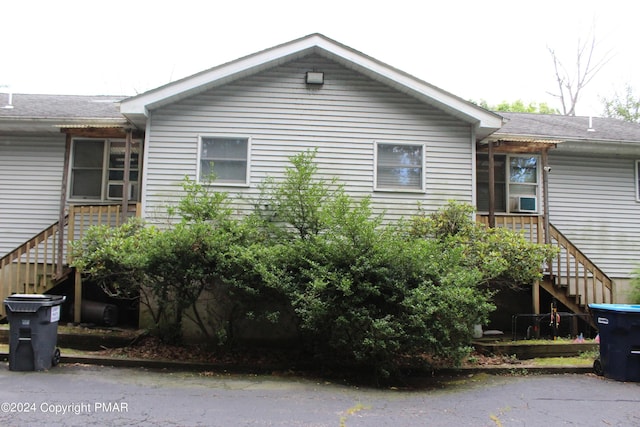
(559, 341)
(578, 361)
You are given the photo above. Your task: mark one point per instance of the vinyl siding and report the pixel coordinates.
(593, 202)
(30, 180)
(282, 116)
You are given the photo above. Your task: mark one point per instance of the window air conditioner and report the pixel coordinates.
(527, 204)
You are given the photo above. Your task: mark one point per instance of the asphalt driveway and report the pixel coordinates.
(83, 395)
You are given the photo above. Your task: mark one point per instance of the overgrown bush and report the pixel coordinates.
(521, 259)
(116, 258)
(169, 270)
(361, 291)
(365, 293)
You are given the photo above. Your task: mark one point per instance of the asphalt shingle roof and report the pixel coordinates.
(27, 106)
(569, 127)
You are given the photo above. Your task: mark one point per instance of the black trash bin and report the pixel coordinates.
(619, 331)
(33, 331)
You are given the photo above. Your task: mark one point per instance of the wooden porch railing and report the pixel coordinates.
(40, 263)
(31, 267)
(583, 281)
(531, 226)
(572, 278)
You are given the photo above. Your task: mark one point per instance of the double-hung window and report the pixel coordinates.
(399, 167)
(98, 167)
(224, 160)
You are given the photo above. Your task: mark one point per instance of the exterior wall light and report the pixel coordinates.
(314, 78)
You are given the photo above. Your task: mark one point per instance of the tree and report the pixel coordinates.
(624, 107)
(571, 81)
(518, 106)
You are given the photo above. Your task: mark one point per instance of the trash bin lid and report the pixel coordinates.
(626, 308)
(31, 302)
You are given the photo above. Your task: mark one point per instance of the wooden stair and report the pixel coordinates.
(41, 263)
(573, 279)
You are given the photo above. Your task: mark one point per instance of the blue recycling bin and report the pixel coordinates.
(33, 331)
(619, 331)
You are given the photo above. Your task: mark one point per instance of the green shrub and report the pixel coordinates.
(507, 258)
(362, 292)
(115, 258)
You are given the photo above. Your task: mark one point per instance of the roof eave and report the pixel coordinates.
(44, 125)
(137, 108)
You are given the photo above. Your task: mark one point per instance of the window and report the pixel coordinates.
(225, 159)
(516, 182)
(97, 170)
(482, 182)
(399, 167)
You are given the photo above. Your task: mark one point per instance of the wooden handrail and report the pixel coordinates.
(579, 279)
(582, 277)
(36, 265)
(530, 225)
(28, 268)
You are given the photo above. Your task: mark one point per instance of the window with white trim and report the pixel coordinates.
(225, 159)
(97, 170)
(523, 183)
(399, 167)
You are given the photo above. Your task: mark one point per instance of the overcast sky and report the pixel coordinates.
(491, 50)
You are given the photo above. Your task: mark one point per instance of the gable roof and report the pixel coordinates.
(137, 108)
(48, 113)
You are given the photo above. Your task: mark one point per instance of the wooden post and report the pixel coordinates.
(125, 179)
(77, 302)
(492, 185)
(63, 202)
(545, 191)
(536, 297)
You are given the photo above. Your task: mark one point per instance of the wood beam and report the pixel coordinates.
(63, 205)
(545, 191)
(77, 301)
(511, 147)
(125, 180)
(492, 186)
(118, 132)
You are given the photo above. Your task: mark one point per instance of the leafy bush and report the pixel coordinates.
(366, 293)
(168, 269)
(116, 258)
(361, 291)
(508, 259)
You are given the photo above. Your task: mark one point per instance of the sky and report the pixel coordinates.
(478, 50)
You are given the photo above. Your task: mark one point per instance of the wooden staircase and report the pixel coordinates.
(35, 266)
(571, 278)
(42, 262)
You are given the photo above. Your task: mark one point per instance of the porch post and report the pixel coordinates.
(125, 180)
(77, 301)
(545, 191)
(63, 202)
(535, 297)
(492, 181)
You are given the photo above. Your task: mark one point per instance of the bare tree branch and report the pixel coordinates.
(587, 66)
